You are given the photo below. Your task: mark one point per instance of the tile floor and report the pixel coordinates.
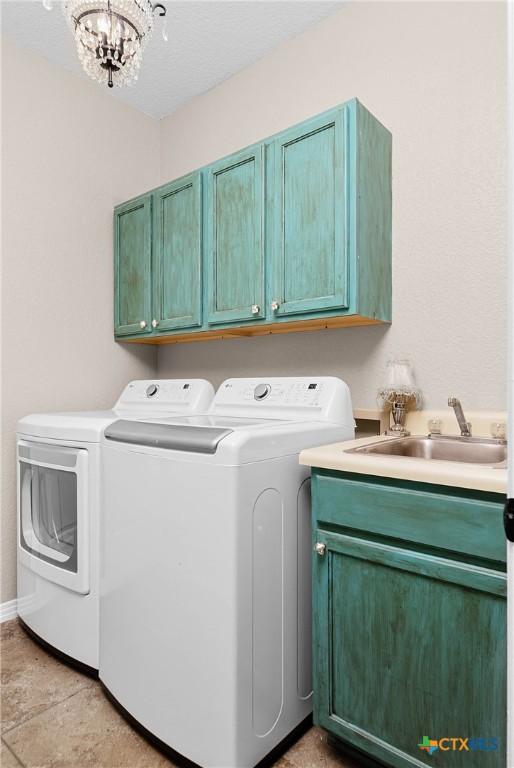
(54, 717)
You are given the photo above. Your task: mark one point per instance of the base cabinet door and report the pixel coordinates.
(177, 272)
(409, 654)
(132, 267)
(235, 237)
(307, 213)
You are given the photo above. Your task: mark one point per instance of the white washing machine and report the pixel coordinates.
(205, 603)
(59, 472)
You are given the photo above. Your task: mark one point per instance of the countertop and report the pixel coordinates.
(450, 473)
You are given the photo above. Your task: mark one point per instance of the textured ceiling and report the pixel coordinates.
(208, 42)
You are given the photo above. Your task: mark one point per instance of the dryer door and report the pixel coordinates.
(53, 525)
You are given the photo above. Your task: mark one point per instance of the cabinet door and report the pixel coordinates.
(408, 648)
(308, 209)
(178, 254)
(235, 232)
(132, 267)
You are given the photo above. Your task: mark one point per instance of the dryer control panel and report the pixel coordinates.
(322, 398)
(177, 395)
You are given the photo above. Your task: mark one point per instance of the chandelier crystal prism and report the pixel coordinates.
(110, 36)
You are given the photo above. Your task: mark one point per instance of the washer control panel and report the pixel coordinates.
(282, 393)
(293, 398)
(323, 397)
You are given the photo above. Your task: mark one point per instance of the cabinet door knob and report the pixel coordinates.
(142, 324)
(255, 309)
(320, 548)
(275, 305)
(155, 323)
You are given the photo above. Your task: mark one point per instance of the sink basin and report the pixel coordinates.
(472, 450)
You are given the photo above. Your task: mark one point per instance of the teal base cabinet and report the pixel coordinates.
(409, 594)
(290, 234)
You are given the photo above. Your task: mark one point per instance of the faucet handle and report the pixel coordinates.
(499, 430)
(435, 426)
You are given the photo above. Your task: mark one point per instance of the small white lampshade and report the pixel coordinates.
(399, 382)
(400, 376)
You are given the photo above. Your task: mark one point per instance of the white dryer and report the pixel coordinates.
(205, 601)
(59, 471)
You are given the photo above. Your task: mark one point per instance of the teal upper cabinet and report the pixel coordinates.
(308, 212)
(235, 237)
(177, 272)
(369, 214)
(329, 218)
(132, 266)
(292, 233)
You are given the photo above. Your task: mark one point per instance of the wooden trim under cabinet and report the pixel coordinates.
(257, 330)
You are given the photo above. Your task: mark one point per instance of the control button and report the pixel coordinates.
(151, 390)
(261, 391)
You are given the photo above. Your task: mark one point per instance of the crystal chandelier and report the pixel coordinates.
(111, 35)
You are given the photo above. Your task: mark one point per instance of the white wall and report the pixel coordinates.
(435, 75)
(69, 153)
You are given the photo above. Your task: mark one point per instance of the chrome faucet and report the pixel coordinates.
(465, 426)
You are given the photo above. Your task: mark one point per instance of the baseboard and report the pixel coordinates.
(8, 610)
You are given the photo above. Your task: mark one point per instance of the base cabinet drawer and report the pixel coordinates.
(465, 523)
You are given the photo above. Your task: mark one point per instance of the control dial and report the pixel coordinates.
(261, 391)
(151, 390)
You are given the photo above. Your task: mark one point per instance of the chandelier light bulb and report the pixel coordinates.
(102, 23)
